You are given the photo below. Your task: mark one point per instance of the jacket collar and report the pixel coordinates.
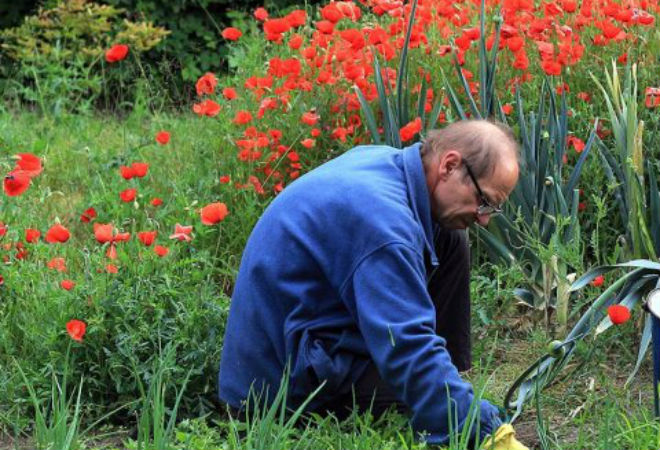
(418, 193)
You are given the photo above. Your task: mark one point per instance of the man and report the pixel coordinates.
(357, 276)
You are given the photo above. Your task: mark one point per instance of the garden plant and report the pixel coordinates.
(124, 211)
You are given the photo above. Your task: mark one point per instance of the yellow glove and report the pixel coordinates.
(503, 439)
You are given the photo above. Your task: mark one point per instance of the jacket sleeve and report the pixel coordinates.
(387, 296)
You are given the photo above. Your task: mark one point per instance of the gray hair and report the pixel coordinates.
(480, 143)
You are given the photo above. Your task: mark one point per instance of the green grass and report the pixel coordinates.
(182, 300)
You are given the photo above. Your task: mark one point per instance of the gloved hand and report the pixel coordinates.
(503, 439)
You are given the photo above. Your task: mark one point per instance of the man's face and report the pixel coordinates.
(455, 198)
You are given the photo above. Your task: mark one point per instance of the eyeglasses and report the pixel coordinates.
(485, 207)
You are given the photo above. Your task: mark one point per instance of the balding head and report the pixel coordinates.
(482, 144)
(488, 151)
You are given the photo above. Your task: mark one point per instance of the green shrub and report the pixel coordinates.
(58, 54)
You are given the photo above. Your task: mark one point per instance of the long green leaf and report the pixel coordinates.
(643, 347)
(401, 82)
(369, 116)
(577, 170)
(654, 205)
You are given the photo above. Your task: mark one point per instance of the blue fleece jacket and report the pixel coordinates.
(333, 276)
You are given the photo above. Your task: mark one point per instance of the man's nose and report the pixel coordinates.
(483, 219)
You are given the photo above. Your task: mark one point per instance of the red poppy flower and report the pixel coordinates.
(576, 143)
(111, 268)
(652, 97)
(584, 96)
(16, 182)
(231, 33)
(30, 164)
(296, 18)
(295, 41)
(88, 215)
(57, 233)
(182, 232)
(126, 172)
(408, 131)
(261, 14)
(103, 232)
(156, 201)
(32, 235)
(163, 137)
(213, 213)
(57, 263)
(206, 84)
(310, 118)
(507, 109)
(2, 280)
(128, 195)
(140, 169)
(76, 329)
(161, 251)
(207, 108)
(308, 143)
(147, 237)
(598, 281)
(3, 229)
(116, 53)
(242, 117)
(67, 284)
(618, 314)
(229, 93)
(551, 67)
(225, 179)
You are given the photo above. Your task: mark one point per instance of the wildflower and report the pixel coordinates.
(111, 268)
(308, 143)
(67, 284)
(213, 213)
(140, 169)
(156, 201)
(32, 235)
(408, 131)
(206, 84)
(116, 53)
(103, 232)
(76, 329)
(584, 96)
(598, 281)
(147, 237)
(161, 251)
(3, 229)
(652, 97)
(231, 33)
(260, 14)
(163, 137)
(182, 232)
(310, 118)
(88, 215)
(207, 108)
(576, 143)
(242, 117)
(16, 182)
(128, 195)
(29, 164)
(229, 93)
(57, 233)
(507, 109)
(126, 172)
(618, 314)
(58, 263)
(225, 179)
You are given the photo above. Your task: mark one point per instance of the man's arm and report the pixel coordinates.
(387, 296)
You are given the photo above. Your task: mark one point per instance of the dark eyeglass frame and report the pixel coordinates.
(486, 207)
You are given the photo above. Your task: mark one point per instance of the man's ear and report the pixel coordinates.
(450, 161)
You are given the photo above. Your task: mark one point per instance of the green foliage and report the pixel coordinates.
(58, 54)
(195, 45)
